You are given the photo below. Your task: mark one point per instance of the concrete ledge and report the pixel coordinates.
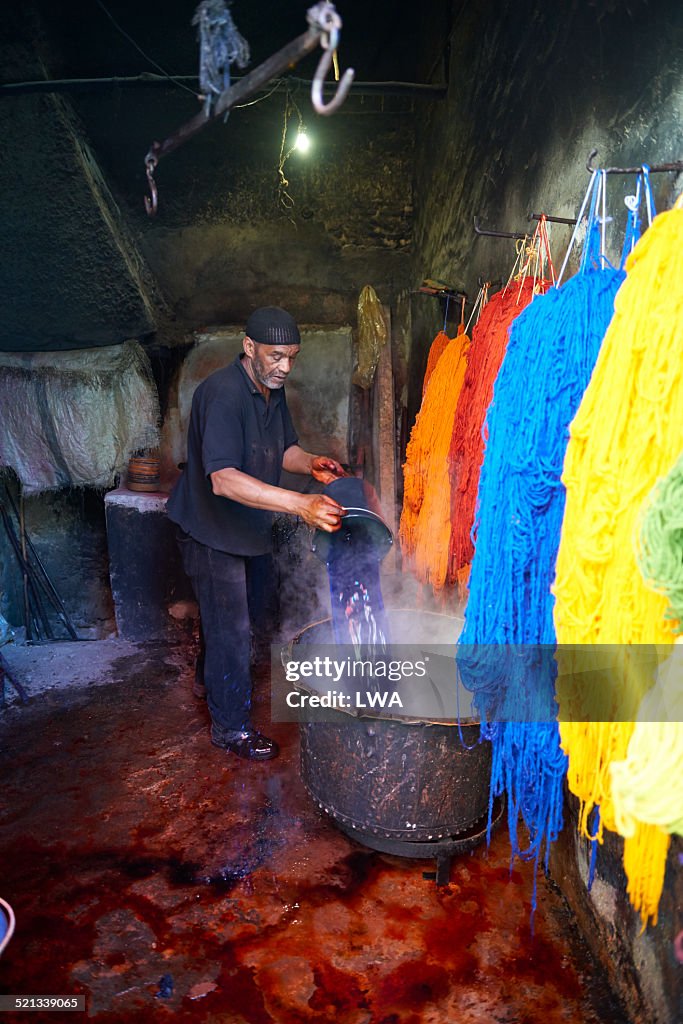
(142, 501)
(147, 579)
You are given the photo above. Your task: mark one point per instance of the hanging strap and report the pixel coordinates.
(649, 197)
(594, 246)
(521, 245)
(461, 325)
(545, 253)
(632, 233)
(445, 316)
(589, 193)
(633, 220)
(479, 303)
(532, 257)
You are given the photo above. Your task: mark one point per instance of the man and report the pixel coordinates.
(240, 438)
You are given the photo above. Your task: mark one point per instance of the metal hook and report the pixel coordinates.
(151, 205)
(676, 166)
(589, 162)
(497, 234)
(552, 220)
(329, 41)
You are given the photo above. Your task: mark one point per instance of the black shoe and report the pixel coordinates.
(247, 743)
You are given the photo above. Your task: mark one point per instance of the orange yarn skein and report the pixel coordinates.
(436, 350)
(425, 520)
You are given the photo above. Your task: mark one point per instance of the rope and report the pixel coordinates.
(627, 433)
(172, 78)
(220, 45)
(478, 307)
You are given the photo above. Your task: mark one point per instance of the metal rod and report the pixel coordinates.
(37, 604)
(251, 83)
(441, 293)
(553, 220)
(383, 88)
(45, 85)
(677, 165)
(496, 234)
(46, 582)
(34, 610)
(22, 534)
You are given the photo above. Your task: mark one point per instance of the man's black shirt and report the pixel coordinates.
(231, 426)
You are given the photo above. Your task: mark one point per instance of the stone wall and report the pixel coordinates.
(226, 239)
(71, 276)
(67, 528)
(236, 227)
(533, 88)
(85, 266)
(640, 963)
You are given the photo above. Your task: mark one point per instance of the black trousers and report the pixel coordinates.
(236, 595)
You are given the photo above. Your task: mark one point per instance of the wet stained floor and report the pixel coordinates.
(167, 880)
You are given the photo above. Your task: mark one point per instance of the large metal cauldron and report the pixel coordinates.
(394, 781)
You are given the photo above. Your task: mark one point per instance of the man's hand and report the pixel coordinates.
(326, 470)
(320, 511)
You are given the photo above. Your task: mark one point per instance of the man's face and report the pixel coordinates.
(271, 364)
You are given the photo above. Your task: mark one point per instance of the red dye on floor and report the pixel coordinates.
(169, 881)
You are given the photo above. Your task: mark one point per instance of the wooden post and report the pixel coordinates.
(385, 440)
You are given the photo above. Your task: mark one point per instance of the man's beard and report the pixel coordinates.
(267, 379)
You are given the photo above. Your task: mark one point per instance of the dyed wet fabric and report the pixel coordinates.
(358, 615)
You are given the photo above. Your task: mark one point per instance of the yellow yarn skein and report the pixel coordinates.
(627, 433)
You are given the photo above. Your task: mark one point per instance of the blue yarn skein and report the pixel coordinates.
(549, 360)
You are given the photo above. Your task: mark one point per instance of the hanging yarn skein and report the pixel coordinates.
(489, 341)
(413, 474)
(552, 348)
(627, 433)
(425, 519)
(647, 787)
(440, 343)
(436, 350)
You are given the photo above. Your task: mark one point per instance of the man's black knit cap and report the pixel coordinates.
(271, 325)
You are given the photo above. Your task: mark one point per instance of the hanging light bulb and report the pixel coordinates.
(302, 143)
